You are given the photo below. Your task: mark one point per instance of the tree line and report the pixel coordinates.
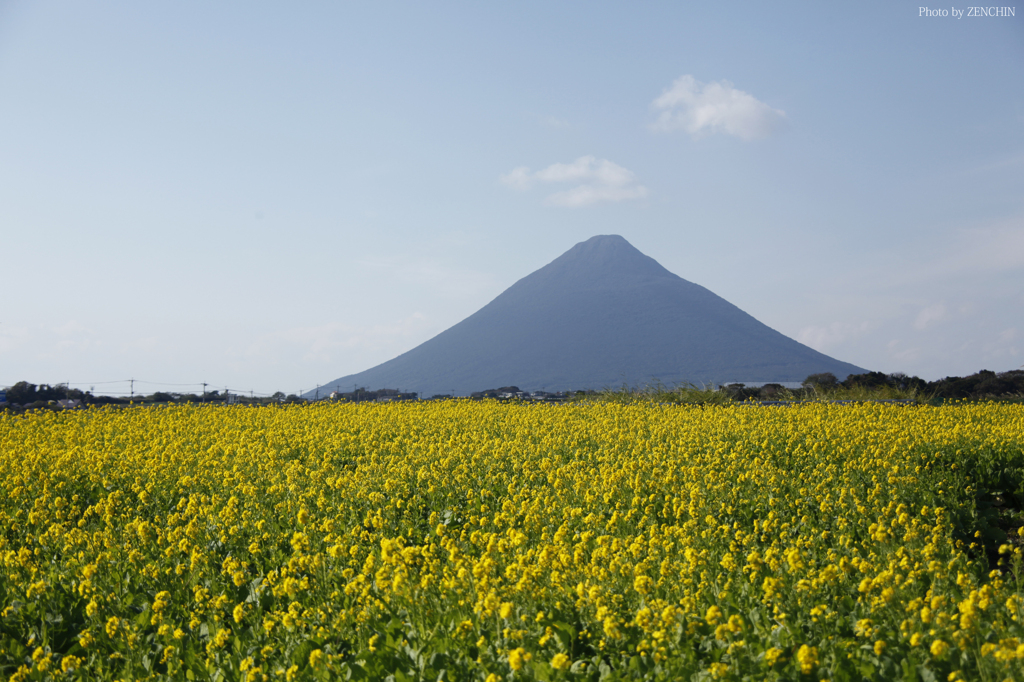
(983, 385)
(28, 395)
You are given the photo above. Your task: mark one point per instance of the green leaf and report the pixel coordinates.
(301, 655)
(565, 627)
(909, 670)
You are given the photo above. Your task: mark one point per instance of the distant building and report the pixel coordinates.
(382, 395)
(389, 395)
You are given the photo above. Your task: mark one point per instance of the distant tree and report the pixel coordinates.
(992, 384)
(278, 396)
(867, 380)
(741, 391)
(907, 383)
(47, 392)
(21, 393)
(983, 384)
(107, 400)
(821, 381)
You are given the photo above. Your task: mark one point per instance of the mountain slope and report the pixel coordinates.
(601, 314)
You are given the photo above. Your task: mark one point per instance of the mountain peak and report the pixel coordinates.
(601, 314)
(601, 262)
(610, 244)
(605, 240)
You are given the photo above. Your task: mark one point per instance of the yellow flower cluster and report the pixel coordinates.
(489, 540)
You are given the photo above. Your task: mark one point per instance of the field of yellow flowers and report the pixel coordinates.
(464, 540)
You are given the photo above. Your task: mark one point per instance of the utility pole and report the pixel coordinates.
(317, 392)
(204, 391)
(133, 388)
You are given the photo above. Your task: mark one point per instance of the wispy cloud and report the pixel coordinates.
(327, 342)
(970, 253)
(929, 315)
(1004, 346)
(825, 337)
(599, 180)
(554, 122)
(519, 178)
(423, 271)
(899, 351)
(13, 339)
(707, 108)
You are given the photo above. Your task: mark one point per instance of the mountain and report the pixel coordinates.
(601, 314)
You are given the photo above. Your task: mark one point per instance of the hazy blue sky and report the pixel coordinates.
(269, 195)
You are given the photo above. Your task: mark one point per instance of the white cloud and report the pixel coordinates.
(822, 338)
(441, 276)
(1003, 347)
(13, 339)
(518, 178)
(599, 180)
(930, 314)
(554, 122)
(999, 247)
(706, 108)
(67, 341)
(964, 256)
(324, 344)
(897, 351)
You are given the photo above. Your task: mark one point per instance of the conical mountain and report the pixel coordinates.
(601, 314)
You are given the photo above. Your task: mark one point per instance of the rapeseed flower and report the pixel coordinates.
(620, 531)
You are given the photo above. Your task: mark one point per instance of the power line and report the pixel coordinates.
(166, 383)
(129, 387)
(95, 383)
